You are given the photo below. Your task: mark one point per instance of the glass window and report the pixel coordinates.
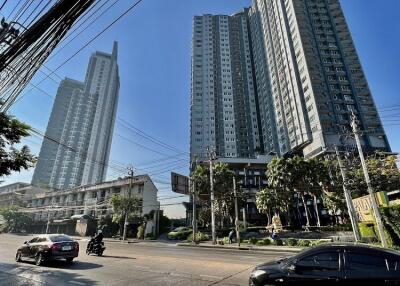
(366, 262)
(59, 238)
(328, 261)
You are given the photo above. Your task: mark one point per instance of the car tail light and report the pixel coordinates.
(55, 247)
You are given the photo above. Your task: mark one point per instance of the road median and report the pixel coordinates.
(243, 247)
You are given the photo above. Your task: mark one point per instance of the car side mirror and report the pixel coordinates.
(292, 268)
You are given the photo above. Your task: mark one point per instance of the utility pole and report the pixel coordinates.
(130, 169)
(236, 212)
(192, 184)
(375, 208)
(349, 202)
(194, 221)
(48, 220)
(244, 219)
(211, 157)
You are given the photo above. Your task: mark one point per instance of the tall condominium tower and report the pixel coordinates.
(76, 148)
(224, 108)
(306, 56)
(282, 77)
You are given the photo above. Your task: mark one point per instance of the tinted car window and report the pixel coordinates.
(366, 262)
(33, 240)
(327, 261)
(41, 239)
(59, 238)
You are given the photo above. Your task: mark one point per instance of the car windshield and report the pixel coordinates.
(59, 238)
(180, 229)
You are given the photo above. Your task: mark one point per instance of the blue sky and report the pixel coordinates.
(154, 59)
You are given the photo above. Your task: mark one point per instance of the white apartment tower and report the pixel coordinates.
(282, 77)
(76, 147)
(224, 115)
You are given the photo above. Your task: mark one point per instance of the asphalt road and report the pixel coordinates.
(147, 263)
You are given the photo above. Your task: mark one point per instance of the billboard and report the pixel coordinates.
(363, 205)
(180, 184)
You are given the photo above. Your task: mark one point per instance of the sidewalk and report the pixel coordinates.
(208, 244)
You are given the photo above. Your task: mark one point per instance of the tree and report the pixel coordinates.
(223, 191)
(15, 220)
(266, 202)
(11, 158)
(383, 172)
(279, 181)
(123, 206)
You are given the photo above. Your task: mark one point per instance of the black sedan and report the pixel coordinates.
(347, 264)
(48, 247)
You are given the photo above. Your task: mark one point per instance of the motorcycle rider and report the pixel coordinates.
(95, 240)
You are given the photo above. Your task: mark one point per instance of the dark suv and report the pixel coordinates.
(348, 264)
(48, 247)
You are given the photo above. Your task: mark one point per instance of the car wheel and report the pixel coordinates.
(18, 256)
(69, 259)
(100, 252)
(39, 259)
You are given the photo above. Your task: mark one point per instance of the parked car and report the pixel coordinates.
(179, 233)
(346, 264)
(48, 247)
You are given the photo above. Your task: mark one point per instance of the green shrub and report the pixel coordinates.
(303, 243)
(260, 243)
(267, 241)
(367, 229)
(278, 242)
(292, 242)
(150, 236)
(253, 240)
(199, 237)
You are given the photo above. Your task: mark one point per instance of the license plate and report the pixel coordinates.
(66, 248)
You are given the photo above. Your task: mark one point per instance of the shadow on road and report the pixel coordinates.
(76, 265)
(27, 274)
(119, 257)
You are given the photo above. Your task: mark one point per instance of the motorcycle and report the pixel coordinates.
(95, 247)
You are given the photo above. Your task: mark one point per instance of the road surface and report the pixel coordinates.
(142, 264)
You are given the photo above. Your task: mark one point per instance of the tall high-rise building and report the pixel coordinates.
(224, 113)
(314, 76)
(76, 148)
(280, 77)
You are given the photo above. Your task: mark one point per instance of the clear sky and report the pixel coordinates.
(154, 60)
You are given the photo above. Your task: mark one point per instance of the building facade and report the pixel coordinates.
(93, 199)
(282, 77)
(314, 75)
(17, 194)
(224, 113)
(76, 147)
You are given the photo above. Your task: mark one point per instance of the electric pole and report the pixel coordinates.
(236, 212)
(349, 202)
(375, 208)
(192, 183)
(130, 169)
(211, 157)
(194, 221)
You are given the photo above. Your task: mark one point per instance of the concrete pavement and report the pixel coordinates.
(135, 264)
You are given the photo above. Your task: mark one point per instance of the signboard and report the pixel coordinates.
(363, 206)
(179, 183)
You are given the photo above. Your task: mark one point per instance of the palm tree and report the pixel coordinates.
(266, 201)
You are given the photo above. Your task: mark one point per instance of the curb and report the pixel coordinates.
(294, 250)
